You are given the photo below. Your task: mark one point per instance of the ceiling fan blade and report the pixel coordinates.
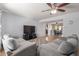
(63, 4)
(46, 10)
(55, 4)
(49, 4)
(62, 10)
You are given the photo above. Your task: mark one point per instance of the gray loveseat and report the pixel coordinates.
(24, 48)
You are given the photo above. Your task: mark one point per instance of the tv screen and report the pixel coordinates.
(29, 29)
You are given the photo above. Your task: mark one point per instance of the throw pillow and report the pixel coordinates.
(73, 41)
(11, 44)
(66, 48)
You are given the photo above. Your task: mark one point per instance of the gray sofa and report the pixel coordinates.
(63, 47)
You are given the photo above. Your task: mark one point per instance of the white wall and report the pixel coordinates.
(71, 24)
(69, 28)
(41, 29)
(13, 24)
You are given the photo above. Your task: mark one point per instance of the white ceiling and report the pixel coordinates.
(33, 10)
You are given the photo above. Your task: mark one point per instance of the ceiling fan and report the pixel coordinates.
(55, 7)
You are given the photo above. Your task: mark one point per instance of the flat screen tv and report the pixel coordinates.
(29, 29)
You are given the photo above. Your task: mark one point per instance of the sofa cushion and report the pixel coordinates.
(66, 48)
(48, 50)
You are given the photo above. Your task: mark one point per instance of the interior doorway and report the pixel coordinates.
(54, 28)
(57, 28)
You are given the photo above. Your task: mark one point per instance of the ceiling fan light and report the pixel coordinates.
(53, 11)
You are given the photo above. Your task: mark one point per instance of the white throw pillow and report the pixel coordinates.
(73, 41)
(66, 48)
(10, 43)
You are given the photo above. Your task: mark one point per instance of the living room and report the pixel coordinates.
(13, 17)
